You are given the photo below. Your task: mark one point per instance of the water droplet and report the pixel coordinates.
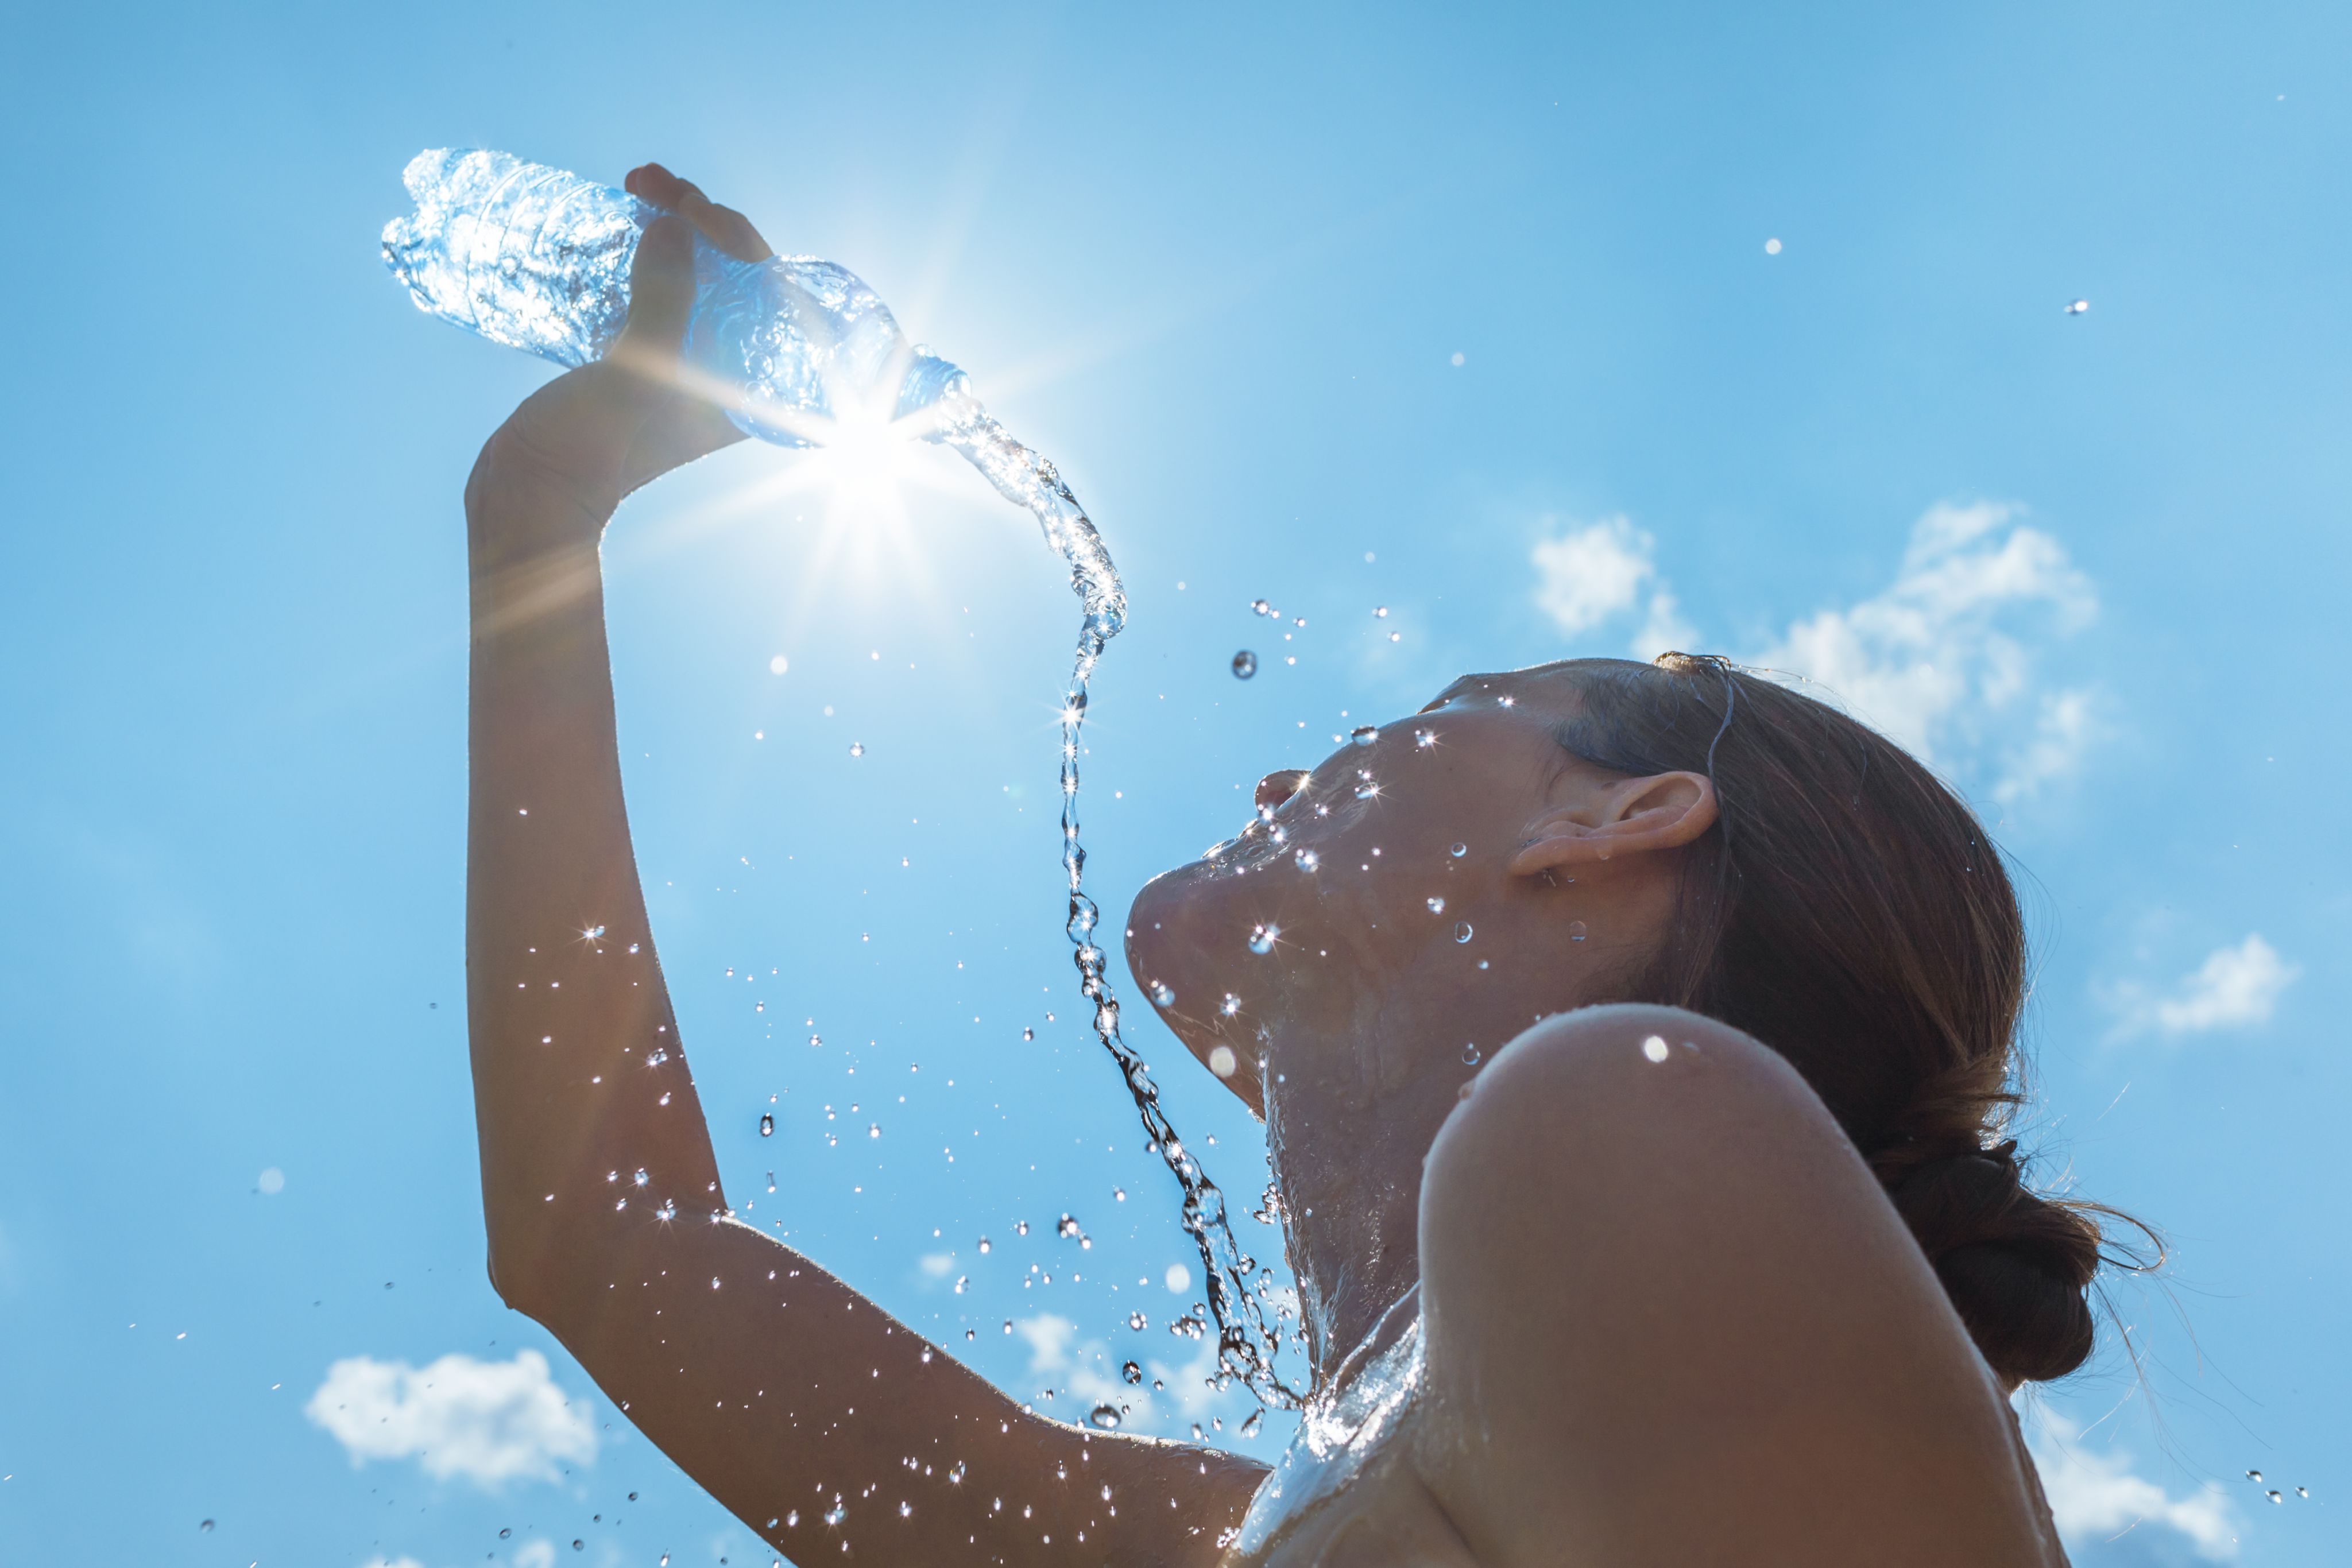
(1470, 1054)
(2303, 1492)
(984, 1245)
(1461, 931)
(1250, 1426)
(2255, 1477)
(1306, 860)
(1654, 1047)
(1261, 606)
(768, 1124)
(1263, 938)
(2078, 306)
(905, 1509)
(1179, 1280)
(836, 1513)
(1132, 1373)
(1458, 850)
(1163, 994)
(1379, 613)
(1245, 665)
(1020, 1226)
(1222, 1060)
(1771, 248)
(593, 933)
(1028, 1034)
(205, 1528)
(2274, 1497)
(1366, 787)
(1137, 1321)
(1067, 1228)
(1104, 1417)
(1231, 1005)
(1423, 739)
(1396, 636)
(1437, 906)
(1364, 734)
(856, 748)
(1575, 930)
(503, 1534)
(640, 1179)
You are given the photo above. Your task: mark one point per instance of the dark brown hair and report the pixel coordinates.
(1847, 910)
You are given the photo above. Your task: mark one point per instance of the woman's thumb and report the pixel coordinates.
(661, 292)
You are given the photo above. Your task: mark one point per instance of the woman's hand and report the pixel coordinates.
(598, 432)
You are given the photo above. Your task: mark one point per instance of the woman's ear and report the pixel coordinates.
(1630, 817)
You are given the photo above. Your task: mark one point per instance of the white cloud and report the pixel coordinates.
(2235, 988)
(1082, 1374)
(1588, 575)
(1943, 661)
(490, 1421)
(2096, 1497)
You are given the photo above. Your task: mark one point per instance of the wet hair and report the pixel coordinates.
(1847, 910)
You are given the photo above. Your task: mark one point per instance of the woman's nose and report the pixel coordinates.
(1275, 788)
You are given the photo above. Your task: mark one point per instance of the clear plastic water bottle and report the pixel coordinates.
(539, 259)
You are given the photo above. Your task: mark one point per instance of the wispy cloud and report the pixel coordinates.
(1943, 661)
(1588, 575)
(490, 1421)
(2096, 1497)
(2235, 988)
(1083, 1372)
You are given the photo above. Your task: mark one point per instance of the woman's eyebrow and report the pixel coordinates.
(1442, 698)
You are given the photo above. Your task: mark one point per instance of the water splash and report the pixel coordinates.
(539, 259)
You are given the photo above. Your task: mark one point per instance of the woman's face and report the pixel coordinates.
(1376, 884)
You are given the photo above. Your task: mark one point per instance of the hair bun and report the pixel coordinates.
(2016, 1265)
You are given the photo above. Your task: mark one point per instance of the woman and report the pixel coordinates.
(1663, 1224)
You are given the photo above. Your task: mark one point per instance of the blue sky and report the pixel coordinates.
(1469, 314)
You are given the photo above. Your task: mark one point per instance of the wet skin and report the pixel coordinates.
(1670, 1317)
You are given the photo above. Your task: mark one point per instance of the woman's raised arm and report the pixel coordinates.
(805, 1408)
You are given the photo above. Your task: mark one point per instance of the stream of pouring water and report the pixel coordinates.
(540, 259)
(1246, 1342)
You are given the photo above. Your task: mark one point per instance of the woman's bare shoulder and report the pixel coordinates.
(1670, 1313)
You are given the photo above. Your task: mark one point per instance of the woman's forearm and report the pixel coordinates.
(580, 1081)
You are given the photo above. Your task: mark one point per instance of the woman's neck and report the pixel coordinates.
(1347, 1152)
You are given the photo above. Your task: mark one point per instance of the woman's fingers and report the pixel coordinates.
(725, 227)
